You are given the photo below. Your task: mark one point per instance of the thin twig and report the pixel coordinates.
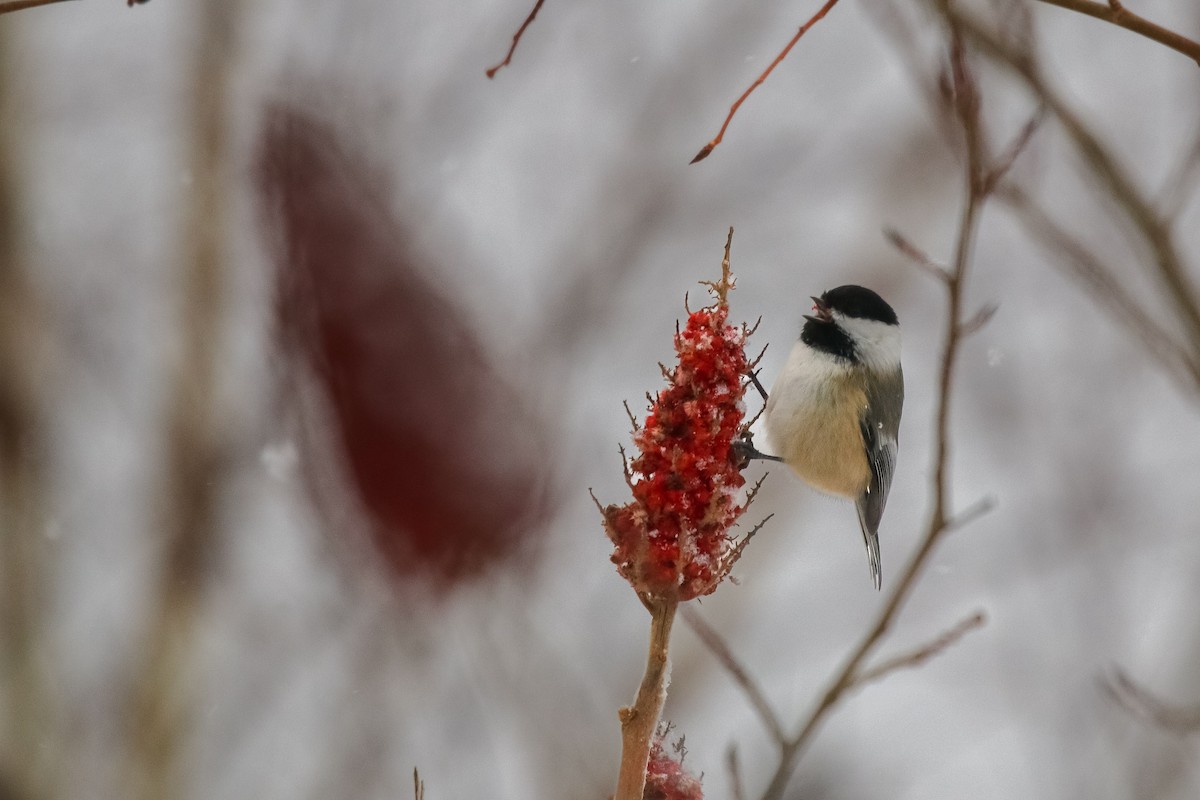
(632, 419)
(918, 656)
(1181, 183)
(1122, 17)
(748, 424)
(720, 289)
(717, 646)
(735, 772)
(1015, 148)
(918, 256)
(1173, 277)
(516, 39)
(639, 721)
(977, 320)
(753, 493)
(1100, 280)
(708, 148)
(739, 547)
(1146, 706)
(21, 5)
(970, 514)
(939, 517)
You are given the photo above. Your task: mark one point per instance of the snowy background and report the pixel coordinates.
(254, 634)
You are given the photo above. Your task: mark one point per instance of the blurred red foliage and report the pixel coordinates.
(441, 449)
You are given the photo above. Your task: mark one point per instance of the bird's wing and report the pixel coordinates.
(880, 425)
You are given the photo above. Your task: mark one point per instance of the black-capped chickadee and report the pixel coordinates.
(833, 414)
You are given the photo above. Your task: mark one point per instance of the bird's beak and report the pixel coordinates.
(823, 313)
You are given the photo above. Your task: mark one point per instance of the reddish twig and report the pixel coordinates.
(708, 148)
(20, 5)
(1118, 15)
(516, 39)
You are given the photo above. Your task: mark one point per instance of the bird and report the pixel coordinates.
(833, 413)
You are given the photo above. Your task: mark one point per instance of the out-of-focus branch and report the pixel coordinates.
(1100, 280)
(717, 646)
(735, 773)
(913, 658)
(976, 184)
(1182, 182)
(1116, 13)
(1144, 705)
(516, 39)
(1169, 269)
(813, 20)
(30, 752)
(194, 449)
(918, 656)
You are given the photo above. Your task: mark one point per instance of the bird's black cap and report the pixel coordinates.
(858, 302)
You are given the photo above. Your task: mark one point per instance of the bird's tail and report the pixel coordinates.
(871, 539)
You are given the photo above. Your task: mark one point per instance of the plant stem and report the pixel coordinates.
(639, 721)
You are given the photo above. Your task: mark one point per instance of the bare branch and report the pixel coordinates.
(1015, 148)
(21, 5)
(750, 422)
(625, 466)
(750, 495)
(972, 513)
(980, 318)
(1173, 278)
(736, 551)
(918, 656)
(639, 721)
(1118, 15)
(632, 419)
(735, 772)
(720, 289)
(1100, 280)
(918, 256)
(717, 646)
(708, 148)
(939, 523)
(1182, 183)
(1142, 704)
(516, 39)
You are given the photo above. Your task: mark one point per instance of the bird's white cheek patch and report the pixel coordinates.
(878, 343)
